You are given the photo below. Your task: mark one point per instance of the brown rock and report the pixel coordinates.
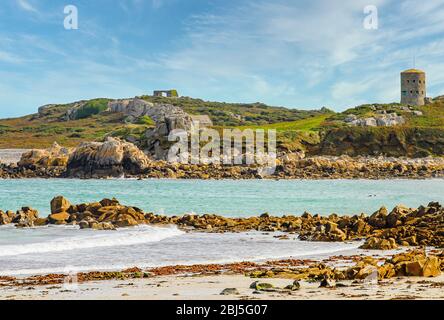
(378, 219)
(58, 217)
(374, 243)
(59, 204)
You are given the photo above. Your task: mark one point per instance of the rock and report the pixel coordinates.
(327, 283)
(167, 118)
(261, 286)
(125, 221)
(84, 224)
(111, 158)
(229, 291)
(395, 217)
(386, 271)
(25, 217)
(39, 222)
(109, 202)
(374, 243)
(59, 204)
(378, 219)
(58, 218)
(428, 267)
(294, 286)
(4, 218)
(55, 156)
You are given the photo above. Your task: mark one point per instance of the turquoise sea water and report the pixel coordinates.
(66, 248)
(227, 197)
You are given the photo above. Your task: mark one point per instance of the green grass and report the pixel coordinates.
(304, 125)
(433, 117)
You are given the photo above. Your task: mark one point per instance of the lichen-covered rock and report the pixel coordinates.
(55, 156)
(111, 158)
(166, 117)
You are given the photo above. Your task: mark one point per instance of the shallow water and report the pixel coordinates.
(66, 248)
(63, 249)
(227, 197)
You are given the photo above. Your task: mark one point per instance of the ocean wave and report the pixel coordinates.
(122, 237)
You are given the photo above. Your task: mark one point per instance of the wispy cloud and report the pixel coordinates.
(25, 5)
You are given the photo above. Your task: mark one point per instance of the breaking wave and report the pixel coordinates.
(94, 239)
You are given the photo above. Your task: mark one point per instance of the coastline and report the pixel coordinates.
(225, 282)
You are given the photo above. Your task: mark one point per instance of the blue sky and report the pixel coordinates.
(296, 53)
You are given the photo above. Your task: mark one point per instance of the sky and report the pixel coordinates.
(303, 54)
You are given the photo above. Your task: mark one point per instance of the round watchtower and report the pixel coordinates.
(413, 87)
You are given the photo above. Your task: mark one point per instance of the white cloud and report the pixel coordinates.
(25, 5)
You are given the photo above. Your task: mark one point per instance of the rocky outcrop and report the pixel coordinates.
(288, 166)
(166, 117)
(423, 226)
(382, 120)
(26, 217)
(54, 156)
(111, 158)
(325, 167)
(388, 141)
(414, 263)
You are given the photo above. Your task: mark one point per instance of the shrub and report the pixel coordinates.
(145, 120)
(91, 108)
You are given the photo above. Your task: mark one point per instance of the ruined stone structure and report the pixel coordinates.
(166, 93)
(413, 87)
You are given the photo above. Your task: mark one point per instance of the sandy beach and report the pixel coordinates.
(9, 156)
(210, 288)
(226, 282)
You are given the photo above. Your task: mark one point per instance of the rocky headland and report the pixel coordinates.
(118, 158)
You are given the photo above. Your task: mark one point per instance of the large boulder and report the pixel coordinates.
(379, 218)
(111, 158)
(426, 267)
(60, 204)
(54, 156)
(396, 216)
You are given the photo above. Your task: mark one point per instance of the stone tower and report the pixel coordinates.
(413, 87)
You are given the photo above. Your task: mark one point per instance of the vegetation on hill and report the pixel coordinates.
(34, 131)
(91, 108)
(316, 131)
(238, 114)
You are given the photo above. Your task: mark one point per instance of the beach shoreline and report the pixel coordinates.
(222, 282)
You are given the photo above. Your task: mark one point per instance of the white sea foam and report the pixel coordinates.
(93, 239)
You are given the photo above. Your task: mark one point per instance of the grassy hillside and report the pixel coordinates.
(33, 131)
(317, 131)
(238, 114)
(93, 123)
(420, 136)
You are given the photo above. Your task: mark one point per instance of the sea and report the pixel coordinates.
(64, 249)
